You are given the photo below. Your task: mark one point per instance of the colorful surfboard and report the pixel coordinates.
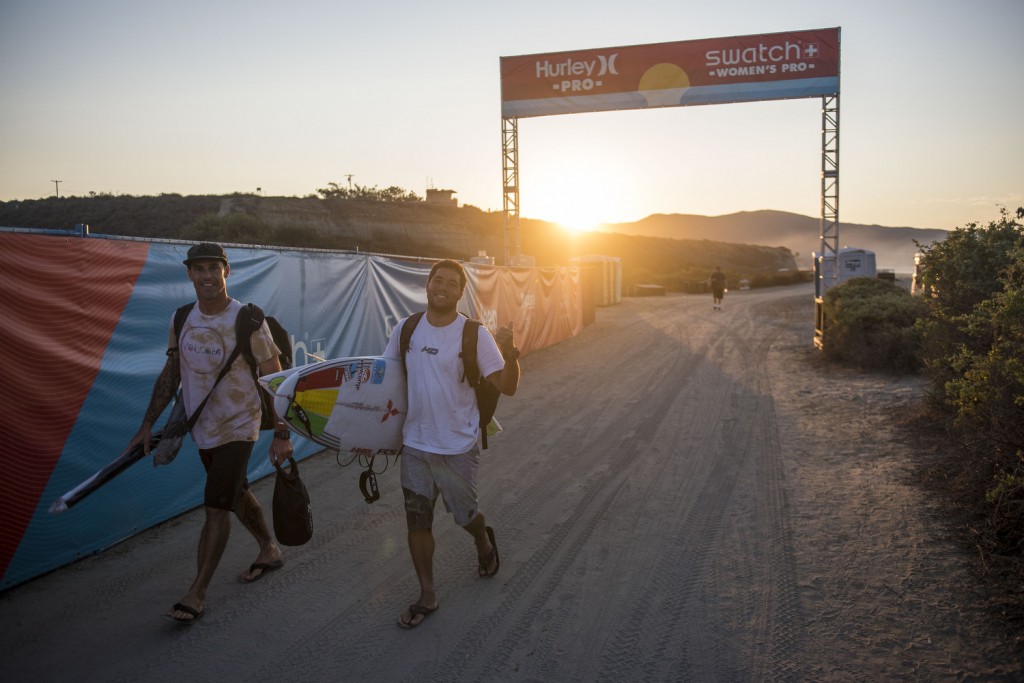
(351, 405)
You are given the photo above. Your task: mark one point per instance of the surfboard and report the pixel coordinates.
(128, 457)
(351, 405)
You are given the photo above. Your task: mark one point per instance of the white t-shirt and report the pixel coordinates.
(233, 411)
(443, 416)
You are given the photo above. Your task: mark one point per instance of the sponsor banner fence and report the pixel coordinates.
(541, 303)
(710, 71)
(84, 338)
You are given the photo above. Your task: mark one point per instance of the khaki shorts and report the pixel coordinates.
(424, 475)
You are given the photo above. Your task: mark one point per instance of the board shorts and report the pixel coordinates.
(717, 292)
(225, 473)
(425, 475)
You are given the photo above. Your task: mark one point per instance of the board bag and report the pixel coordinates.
(249, 319)
(486, 393)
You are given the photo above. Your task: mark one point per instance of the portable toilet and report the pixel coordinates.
(853, 262)
(608, 284)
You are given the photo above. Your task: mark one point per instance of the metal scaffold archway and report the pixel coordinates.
(774, 66)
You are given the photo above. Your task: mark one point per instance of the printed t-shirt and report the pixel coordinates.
(233, 411)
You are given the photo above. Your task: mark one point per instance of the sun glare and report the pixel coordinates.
(579, 224)
(577, 199)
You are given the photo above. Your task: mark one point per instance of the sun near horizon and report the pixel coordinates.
(577, 210)
(579, 226)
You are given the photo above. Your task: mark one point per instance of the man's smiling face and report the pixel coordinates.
(209, 277)
(444, 290)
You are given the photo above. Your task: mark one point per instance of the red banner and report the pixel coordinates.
(710, 71)
(544, 304)
(63, 299)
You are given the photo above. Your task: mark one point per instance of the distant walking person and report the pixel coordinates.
(227, 427)
(440, 452)
(718, 287)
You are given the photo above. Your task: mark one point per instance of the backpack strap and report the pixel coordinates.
(250, 318)
(179, 320)
(470, 367)
(405, 337)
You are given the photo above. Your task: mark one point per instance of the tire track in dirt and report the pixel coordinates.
(682, 570)
(778, 632)
(530, 590)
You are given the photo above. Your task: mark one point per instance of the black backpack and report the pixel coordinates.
(249, 319)
(486, 393)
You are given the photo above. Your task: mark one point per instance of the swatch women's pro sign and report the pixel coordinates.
(770, 66)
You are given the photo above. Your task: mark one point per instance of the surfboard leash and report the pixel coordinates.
(368, 483)
(368, 478)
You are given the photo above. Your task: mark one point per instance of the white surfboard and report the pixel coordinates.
(351, 405)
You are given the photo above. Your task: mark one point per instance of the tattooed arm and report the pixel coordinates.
(163, 391)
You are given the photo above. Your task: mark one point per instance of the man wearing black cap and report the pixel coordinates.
(227, 427)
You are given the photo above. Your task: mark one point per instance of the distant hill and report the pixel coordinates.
(894, 247)
(674, 250)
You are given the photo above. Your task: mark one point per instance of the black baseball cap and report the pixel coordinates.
(206, 250)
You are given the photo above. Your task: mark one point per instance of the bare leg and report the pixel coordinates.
(250, 513)
(421, 548)
(212, 541)
(477, 528)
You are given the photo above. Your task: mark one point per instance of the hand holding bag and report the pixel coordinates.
(293, 517)
(167, 442)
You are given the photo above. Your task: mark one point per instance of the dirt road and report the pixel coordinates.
(681, 494)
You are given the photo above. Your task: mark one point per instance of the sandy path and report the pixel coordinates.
(682, 494)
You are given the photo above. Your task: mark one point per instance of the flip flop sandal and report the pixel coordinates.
(492, 556)
(415, 609)
(178, 607)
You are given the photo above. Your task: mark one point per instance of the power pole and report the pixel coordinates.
(349, 176)
(56, 184)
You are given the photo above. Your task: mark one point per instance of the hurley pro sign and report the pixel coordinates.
(771, 66)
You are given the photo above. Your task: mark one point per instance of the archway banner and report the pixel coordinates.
(751, 68)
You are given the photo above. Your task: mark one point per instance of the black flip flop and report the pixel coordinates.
(264, 567)
(178, 607)
(415, 609)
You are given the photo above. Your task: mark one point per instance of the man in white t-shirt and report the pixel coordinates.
(440, 453)
(227, 427)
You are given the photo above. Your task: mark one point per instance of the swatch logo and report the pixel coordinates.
(763, 60)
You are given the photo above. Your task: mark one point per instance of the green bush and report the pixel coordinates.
(983, 378)
(973, 350)
(872, 325)
(973, 335)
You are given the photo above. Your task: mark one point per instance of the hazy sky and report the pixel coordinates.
(212, 96)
